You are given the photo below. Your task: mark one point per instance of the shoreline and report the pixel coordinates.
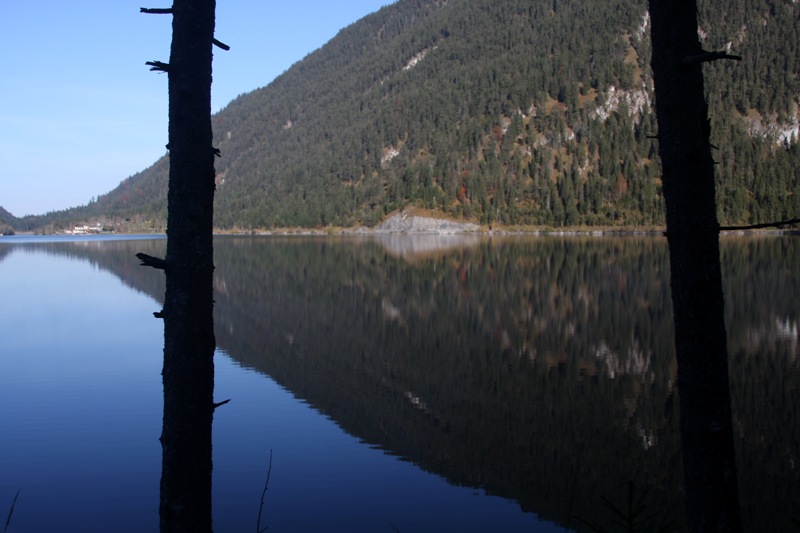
(482, 232)
(417, 221)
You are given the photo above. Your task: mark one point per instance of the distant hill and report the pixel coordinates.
(516, 112)
(7, 222)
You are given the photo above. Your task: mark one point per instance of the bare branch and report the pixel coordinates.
(779, 224)
(263, 495)
(156, 11)
(221, 403)
(14, 503)
(221, 45)
(158, 66)
(150, 261)
(705, 56)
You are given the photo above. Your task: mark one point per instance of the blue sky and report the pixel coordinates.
(80, 111)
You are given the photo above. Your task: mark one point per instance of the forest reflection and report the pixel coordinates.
(542, 370)
(539, 369)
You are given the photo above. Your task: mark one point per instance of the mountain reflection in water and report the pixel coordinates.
(539, 369)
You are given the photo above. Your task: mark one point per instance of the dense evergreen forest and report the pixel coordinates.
(534, 112)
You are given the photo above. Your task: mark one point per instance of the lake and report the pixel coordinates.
(400, 383)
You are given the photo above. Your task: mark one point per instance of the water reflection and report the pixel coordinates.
(537, 370)
(416, 247)
(541, 370)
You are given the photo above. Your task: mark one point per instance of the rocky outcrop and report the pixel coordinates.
(410, 222)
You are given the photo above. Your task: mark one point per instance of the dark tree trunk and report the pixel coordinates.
(693, 235)
(188, 373)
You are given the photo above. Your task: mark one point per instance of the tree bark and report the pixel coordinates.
(696, 279)
(188, 373)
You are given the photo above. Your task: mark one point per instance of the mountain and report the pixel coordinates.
(7, 222)
(532, 112)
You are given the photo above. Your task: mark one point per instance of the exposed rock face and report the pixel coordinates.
(404, 222)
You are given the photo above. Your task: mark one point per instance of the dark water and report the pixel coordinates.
(411, 384)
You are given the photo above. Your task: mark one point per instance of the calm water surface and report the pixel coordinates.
(411, 384)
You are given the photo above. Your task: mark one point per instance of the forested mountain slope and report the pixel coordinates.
(7, 222)
(514, 112)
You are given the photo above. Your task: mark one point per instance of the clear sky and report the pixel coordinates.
(80, 111)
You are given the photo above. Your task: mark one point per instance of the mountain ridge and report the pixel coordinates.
(533, 113)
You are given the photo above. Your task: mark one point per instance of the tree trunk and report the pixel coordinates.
(693, 234)
(188, 373)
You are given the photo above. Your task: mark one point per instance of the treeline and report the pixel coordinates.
(138, 204)
(512, 112)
